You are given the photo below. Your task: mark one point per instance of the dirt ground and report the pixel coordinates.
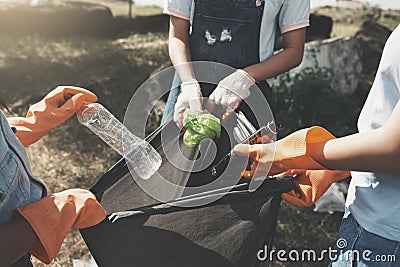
(70, 156)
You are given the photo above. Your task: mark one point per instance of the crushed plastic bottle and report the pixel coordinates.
(144, 158)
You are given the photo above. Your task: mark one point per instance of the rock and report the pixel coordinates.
(54, 17)
(320, 27)
(340, 55)
(371, 38)
(353, 60)
(59, 17)
(390, 13)
(143, 24)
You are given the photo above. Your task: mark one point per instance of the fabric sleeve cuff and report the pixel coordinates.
(176, 13)
(41, 250)
(295, 26)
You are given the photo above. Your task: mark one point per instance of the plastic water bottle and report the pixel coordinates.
(145, 160)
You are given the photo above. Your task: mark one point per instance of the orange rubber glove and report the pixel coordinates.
(310, 185)
(53, 216)
(289, 153)
(55, 108)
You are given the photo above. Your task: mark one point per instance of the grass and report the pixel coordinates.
(70, 156)
(347, 21)
(30, 71)
(121, 8)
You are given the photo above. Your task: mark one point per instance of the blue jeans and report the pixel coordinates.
(358, 247)
(24, 261)
(172, 98)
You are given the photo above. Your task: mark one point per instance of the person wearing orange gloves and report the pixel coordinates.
(240, 34)
(32, 222)
(370, 224)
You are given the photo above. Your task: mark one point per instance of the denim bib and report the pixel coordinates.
(227, 32)
(18, 186)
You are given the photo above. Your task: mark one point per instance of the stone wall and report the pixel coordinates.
(353, 60)
(340, 55)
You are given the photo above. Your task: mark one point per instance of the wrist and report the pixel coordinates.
(191, 85)
(189, 82)
(247, 75)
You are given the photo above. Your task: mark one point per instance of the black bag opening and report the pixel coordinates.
(226, 232)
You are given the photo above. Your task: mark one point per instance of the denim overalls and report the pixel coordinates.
(228, 32)
(18, 186)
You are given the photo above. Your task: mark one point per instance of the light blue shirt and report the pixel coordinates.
(290, 15)
(374, 198)
(18, 186)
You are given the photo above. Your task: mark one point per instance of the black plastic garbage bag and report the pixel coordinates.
(226, 232)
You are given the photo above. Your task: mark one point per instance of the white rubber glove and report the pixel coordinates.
(231, 90)
(189, 98)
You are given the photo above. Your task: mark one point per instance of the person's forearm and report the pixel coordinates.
(179, 49)
(18, 238)
(290, 57)
(275, 65)
(356, 152)
(180, 58)
(376, 151)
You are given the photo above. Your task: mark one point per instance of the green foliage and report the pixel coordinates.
(370, 7)
(307, 99)
(347, 21)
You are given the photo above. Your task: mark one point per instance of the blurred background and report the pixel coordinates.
(111, 47)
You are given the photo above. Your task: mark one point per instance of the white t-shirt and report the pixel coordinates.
(291, 15)
(374, 198)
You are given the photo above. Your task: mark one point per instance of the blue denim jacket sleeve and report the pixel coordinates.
(18, 186)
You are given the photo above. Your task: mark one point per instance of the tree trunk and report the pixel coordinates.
(130, 9)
